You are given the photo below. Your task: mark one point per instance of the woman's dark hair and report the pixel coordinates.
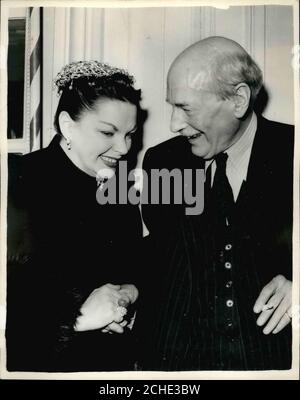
(81, 93)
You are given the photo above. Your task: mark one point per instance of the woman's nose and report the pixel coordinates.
(177, 120)
(121, 146)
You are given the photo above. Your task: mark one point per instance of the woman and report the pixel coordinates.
(67, 303)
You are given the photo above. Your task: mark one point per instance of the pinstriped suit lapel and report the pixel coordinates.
(258, 169)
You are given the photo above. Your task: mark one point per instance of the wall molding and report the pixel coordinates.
(146, 41)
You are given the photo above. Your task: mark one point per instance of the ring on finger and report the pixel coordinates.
(268, 307)
(121, 310)
(123, 302)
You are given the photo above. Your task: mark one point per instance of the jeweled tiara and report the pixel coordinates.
(89, 69)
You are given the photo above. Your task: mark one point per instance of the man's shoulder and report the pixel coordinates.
(273, 153)
(175, 144)
(175, 152)
(275, 140)
(275, 124)
(278, 129)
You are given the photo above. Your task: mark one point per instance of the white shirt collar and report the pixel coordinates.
(239, 153)
(238, 158)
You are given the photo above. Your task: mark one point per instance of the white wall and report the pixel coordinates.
(146, 40)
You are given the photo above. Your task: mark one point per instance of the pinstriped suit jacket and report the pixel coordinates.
(186, 330)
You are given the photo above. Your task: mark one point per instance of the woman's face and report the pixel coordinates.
(100, 137)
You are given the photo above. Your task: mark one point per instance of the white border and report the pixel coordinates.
(292, 374)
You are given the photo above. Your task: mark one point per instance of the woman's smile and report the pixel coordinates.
(109, 161)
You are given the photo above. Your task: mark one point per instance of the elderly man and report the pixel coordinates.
(223, 278)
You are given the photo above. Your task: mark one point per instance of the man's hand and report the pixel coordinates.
(101, 308)
(274, 304)
(130, 291)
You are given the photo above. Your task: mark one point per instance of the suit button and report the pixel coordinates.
(228, 246)
(228, 265)
(229, 303)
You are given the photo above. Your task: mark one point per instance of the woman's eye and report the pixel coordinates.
(130, 134)
(107, 133)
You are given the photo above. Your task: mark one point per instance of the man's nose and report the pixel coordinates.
(177, 120)
(121, 146)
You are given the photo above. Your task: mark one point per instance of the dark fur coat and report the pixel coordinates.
(61, 246)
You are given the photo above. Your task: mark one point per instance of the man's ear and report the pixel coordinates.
(65, 124)
(241, 99)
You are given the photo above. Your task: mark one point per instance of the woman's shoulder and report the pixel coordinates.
(36, 164)
(32, 164)
(36, 158)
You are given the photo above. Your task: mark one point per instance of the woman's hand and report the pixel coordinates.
(101, 308)
(129, 295)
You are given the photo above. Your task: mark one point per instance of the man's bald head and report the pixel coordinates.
(216, 64)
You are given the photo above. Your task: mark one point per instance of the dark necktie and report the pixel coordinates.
(222, 196)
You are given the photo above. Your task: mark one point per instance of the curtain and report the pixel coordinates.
(33, 79)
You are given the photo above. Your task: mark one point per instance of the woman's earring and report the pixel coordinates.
(69, 144)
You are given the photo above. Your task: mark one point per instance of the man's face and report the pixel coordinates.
(203, 117)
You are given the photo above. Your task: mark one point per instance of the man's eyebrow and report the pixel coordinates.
(177, 104)
(110, 124)
(181, 104)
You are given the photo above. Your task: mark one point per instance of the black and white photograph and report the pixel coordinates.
(149, 190)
